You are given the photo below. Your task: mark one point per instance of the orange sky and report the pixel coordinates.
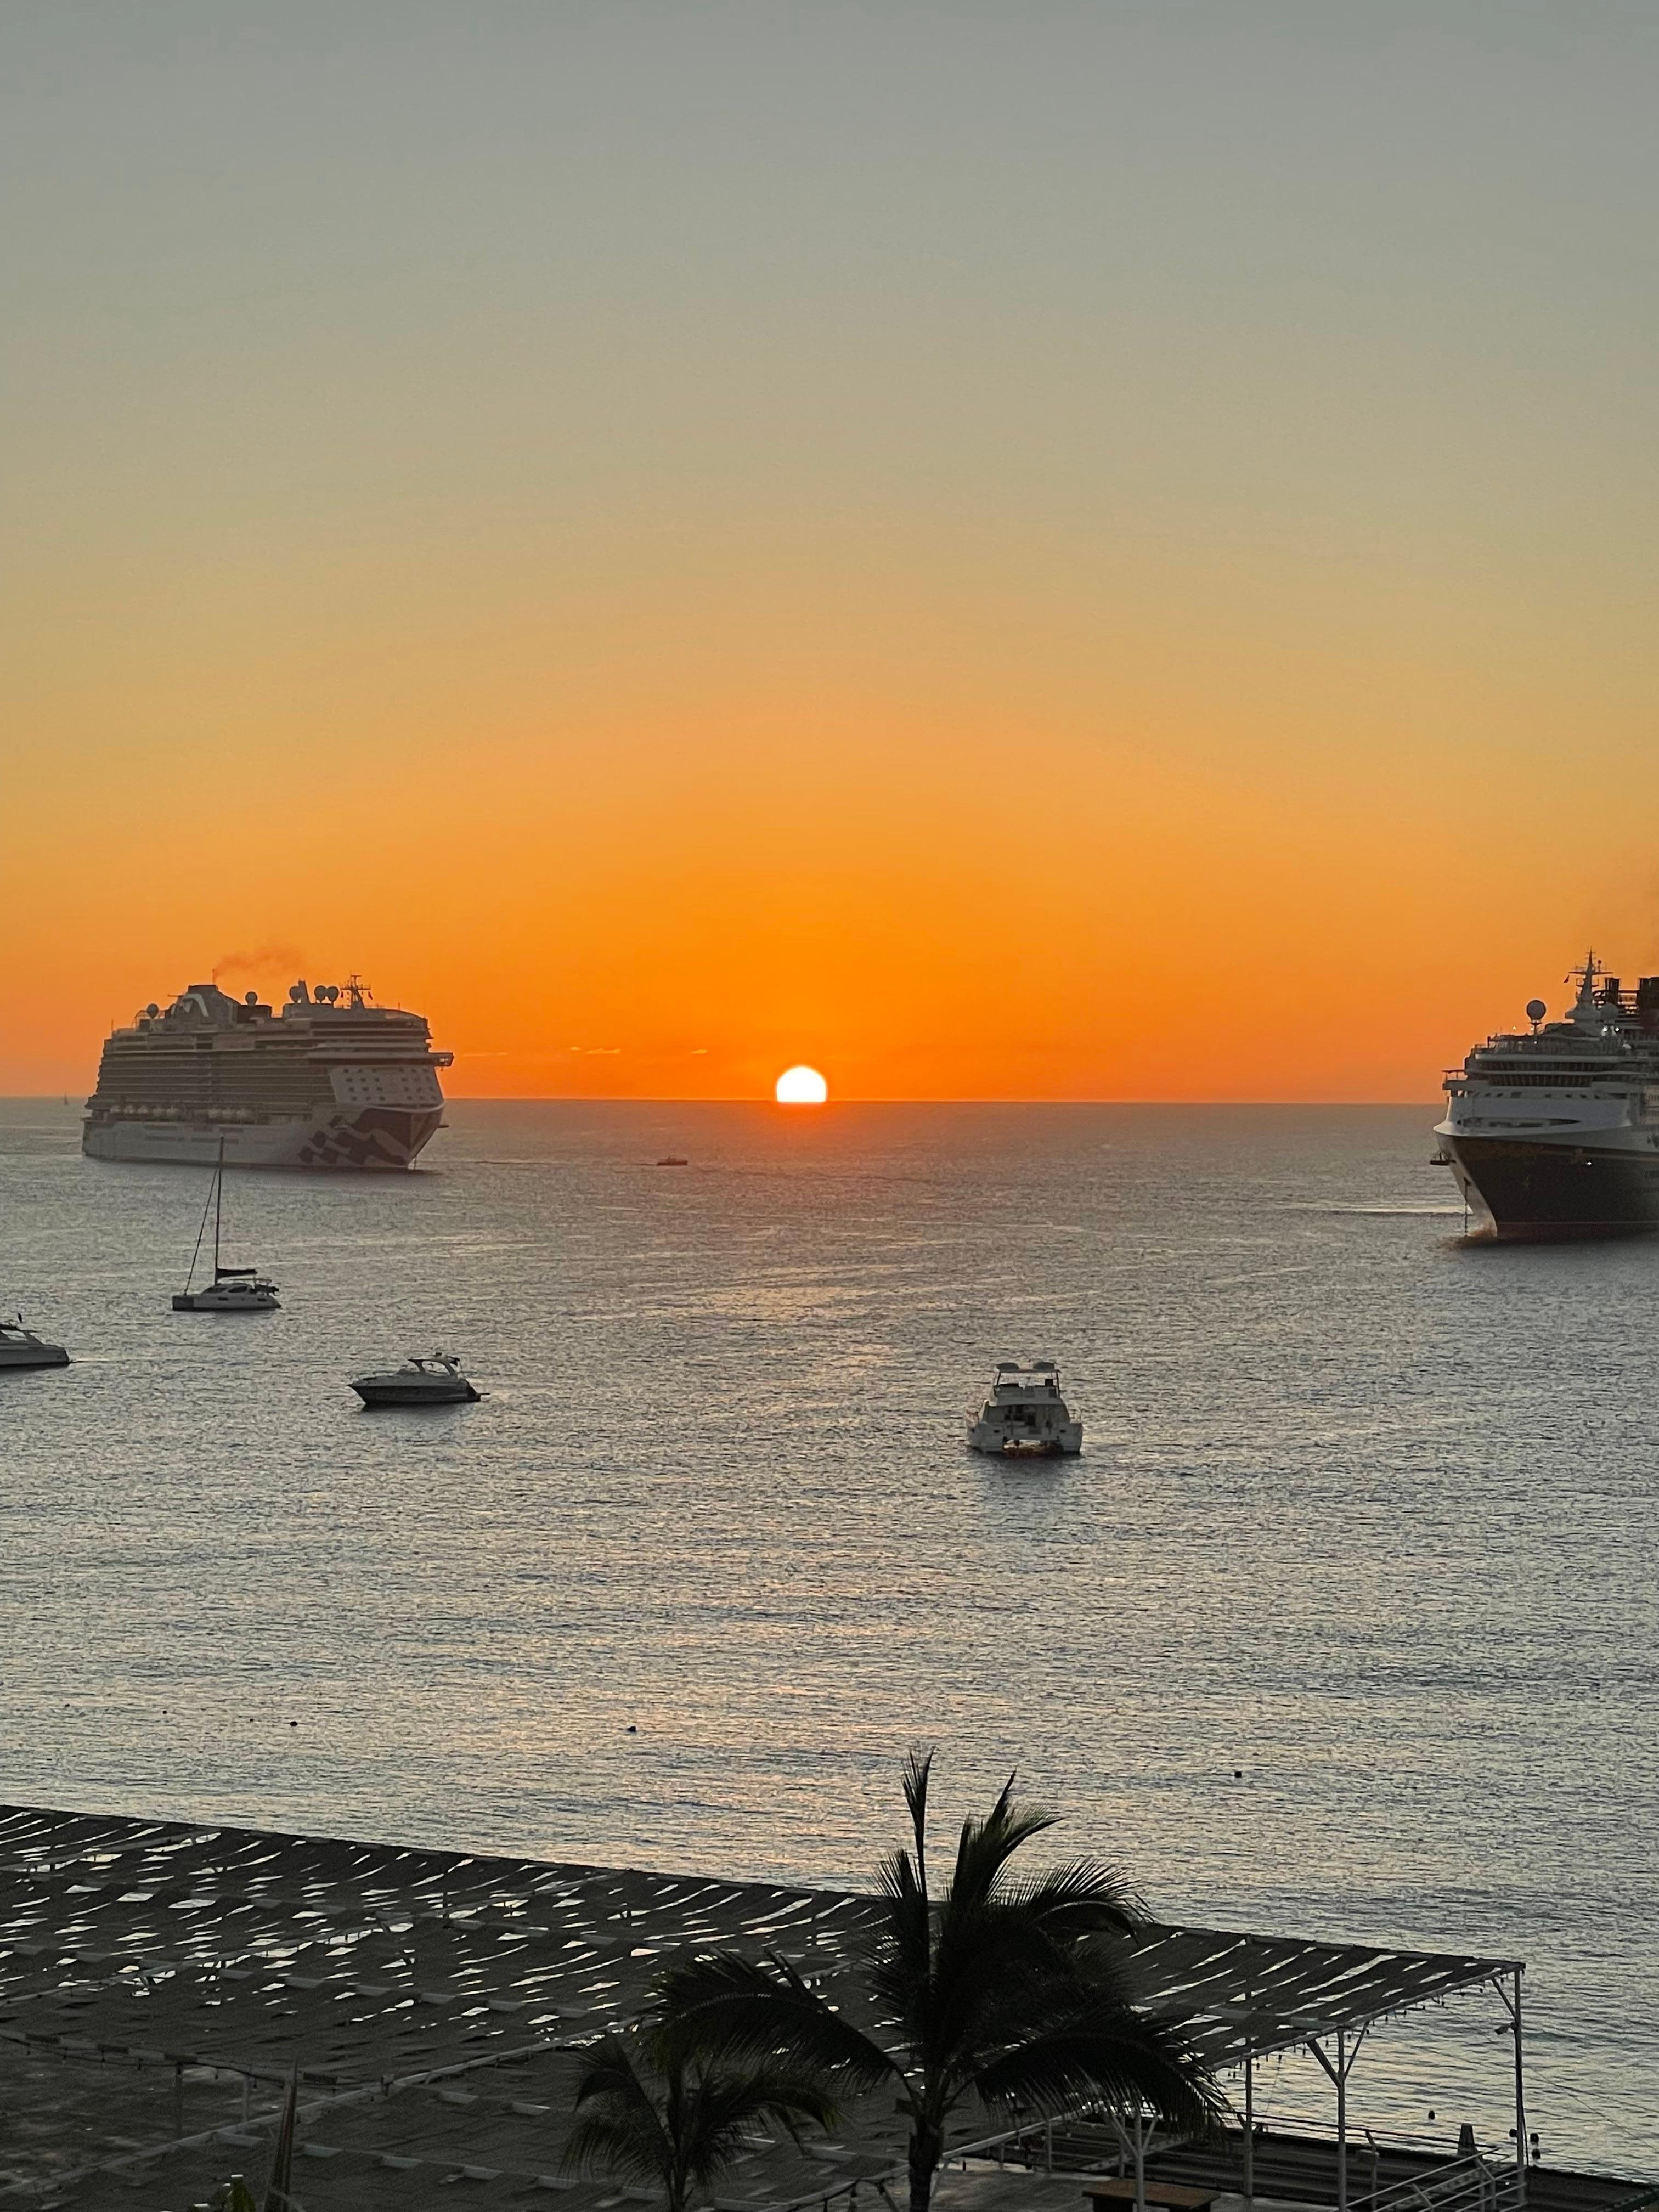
(1004, 553)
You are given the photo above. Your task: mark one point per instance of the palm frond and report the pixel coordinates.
(998, 1980)
(1085, 1897)
(610, 2075)
(1008, 1965)
(1041, 1949)
(898, 1957)
(901, 1954)
(985, 1846)
(619, 2129)
(1110, 2053)
(918, 1769)
(649, 2109)
(898, 1878)
(761, 2008)
(602, 2144)
(729, 2107)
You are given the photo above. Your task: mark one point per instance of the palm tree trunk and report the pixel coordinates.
(926, 2142)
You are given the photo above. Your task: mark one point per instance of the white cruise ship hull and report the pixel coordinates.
(376, 1139)
(330, 1081)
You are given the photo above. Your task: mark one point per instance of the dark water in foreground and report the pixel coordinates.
(1365, 1514)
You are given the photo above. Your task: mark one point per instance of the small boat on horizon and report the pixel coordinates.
(232, 1289)
(21, 1347)
(672, 1160)
(437, 1379)
(1023, 1415)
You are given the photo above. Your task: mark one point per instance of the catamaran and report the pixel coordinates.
(1024, 1415)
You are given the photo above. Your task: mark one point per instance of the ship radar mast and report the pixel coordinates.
(1593, 1010)
(1585, 976)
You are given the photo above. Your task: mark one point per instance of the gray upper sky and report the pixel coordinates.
(1253, 393)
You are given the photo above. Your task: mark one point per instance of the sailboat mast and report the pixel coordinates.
(218, 1205)
(201, 1232)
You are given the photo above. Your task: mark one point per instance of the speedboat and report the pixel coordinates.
(1023, 1415)
(435, 1380)
(232, 1289)
(21, 1347)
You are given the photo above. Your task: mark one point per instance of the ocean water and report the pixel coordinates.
(1345, 1623)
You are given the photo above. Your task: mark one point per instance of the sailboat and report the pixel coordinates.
(232, 1289)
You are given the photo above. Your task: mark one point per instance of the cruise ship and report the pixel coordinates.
(329, 1080)
(1553, 1132)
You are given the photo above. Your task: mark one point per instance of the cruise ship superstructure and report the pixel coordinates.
(1553, 1132)
(327, 1080)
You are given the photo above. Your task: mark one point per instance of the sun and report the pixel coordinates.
(801, 1086)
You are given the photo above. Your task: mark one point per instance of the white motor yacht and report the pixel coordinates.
(232, 1289)
(21, 1347)
(1024, 1414)
(435, 1380)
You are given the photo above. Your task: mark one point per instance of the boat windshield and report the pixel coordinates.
(1043, 1377)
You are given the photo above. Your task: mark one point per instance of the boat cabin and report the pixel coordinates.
(1024, 1410)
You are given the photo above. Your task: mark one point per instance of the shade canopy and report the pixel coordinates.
(1238, 1994)
(431, 2005)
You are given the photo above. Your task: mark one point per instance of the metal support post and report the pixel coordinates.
(1140, 2162)
(1341, 2120)
(1249, 2129)
(1523, 2142)
(1346, 2055)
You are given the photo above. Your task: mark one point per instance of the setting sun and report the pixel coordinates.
(801, 1086)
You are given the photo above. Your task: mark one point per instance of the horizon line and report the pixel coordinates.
(760, 1098)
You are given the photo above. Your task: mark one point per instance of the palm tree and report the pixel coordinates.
(997, 1990)
(679, 2120)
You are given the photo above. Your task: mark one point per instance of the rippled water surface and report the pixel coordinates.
(1365, 1514)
